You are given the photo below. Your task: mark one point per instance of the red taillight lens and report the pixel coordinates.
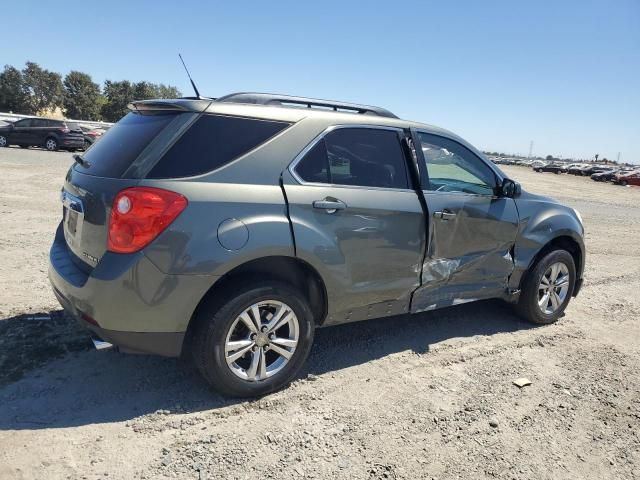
(140, 214)
(64, 130)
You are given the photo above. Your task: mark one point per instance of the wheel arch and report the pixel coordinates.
(561, 242)
(290, 270)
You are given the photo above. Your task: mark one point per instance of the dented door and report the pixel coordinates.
(471, 231)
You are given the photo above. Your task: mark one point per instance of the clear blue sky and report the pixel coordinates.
(565, 74)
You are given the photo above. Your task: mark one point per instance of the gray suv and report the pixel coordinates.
(230, 229)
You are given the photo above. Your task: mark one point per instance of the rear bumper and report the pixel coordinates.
(126, 300)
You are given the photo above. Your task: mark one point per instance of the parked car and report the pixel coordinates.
(591, 169)
(231, 229)
(605, 176)
(42, 132)
(576, 169)
(552, 167)
(91, 135)
(627, 178)
(537, 163)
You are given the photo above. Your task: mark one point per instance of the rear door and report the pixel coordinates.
(39, 129)
(472, 230)
(357, 221)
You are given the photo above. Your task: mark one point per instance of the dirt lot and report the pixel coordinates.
(429, 396)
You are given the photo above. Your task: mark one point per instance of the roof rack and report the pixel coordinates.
(288, 100)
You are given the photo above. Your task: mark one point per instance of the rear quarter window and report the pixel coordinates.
(214, 141)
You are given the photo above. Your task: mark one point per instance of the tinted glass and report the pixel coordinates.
(54, 123)
(213, 141)
(23, 123)
(121, 145)
(356, 156)
(314, 167)
(454, 168)
(38, 122)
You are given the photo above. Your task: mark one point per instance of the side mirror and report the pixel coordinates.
(510, 188)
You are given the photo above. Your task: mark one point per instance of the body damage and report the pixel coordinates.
(543, 220)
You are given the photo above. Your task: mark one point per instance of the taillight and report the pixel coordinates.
(140, 214)
(64, 130)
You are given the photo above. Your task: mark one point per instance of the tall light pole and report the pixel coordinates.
(530, 148)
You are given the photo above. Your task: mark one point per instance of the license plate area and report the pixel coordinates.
(72, 218)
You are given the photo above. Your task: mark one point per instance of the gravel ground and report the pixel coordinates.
(428, 396)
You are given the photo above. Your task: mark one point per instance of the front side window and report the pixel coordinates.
(23, 123)
(364, 157)
(452, 167)
(38, 122)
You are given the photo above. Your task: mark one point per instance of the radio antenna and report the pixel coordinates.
(195, 89)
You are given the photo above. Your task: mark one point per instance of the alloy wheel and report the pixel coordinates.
(553, 288)
(261, 340)
(51, 144)
(3, 141)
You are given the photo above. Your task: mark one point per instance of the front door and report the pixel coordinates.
(472, 230)
(21, 131)
(356, 220)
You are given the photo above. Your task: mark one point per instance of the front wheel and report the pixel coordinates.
(3, 141)
(256, 341)
(547, 288)
(51, 144)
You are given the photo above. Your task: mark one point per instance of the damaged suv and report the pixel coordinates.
(230, 229)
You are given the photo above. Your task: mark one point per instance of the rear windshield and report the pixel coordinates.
(213, 141)
(122, 143)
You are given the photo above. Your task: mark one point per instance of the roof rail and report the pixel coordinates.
(288, 100)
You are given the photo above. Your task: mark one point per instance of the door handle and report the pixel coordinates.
(331, 206)
(444, 215)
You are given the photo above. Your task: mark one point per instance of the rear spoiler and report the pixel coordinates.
(169, 105)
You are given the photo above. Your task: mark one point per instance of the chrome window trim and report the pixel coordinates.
(320, 136)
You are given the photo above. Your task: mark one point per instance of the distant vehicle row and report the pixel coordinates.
(599, 173)
(48, 133)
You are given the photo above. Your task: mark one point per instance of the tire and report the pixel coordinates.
(4, 142)
(86, 145)
(623, 183)
(528, 307)
(51, 144)
(218, 321)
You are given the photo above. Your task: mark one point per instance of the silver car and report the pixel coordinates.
(230, 229)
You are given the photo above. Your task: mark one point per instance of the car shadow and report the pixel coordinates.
(85, 386)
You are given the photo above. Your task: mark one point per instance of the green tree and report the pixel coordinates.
(13, 95)
(81, 96)
(44, 88)
(168, 91)
(118, 95)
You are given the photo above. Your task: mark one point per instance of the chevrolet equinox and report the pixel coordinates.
(231, 228)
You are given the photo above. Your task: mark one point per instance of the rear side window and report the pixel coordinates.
(121, 145)
(363, 157)
(214, 141)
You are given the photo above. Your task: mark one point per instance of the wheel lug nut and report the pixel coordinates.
(266, 347)
(255, 349)
(271, 336)
(263, 329)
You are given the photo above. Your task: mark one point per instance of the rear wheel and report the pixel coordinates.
(51, 144)
(86, 145)
(3, 141)
(256, 341)
(623, 183)
(547, 288)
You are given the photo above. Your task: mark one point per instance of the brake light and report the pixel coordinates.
(64, 130)
(139, 215)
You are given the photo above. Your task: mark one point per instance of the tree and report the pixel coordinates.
(549, 157)
(168, 91)
(118, 95)
(44, 88)
(81, 96)
(13, 96)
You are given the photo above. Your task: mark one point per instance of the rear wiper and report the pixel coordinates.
(81, 161)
